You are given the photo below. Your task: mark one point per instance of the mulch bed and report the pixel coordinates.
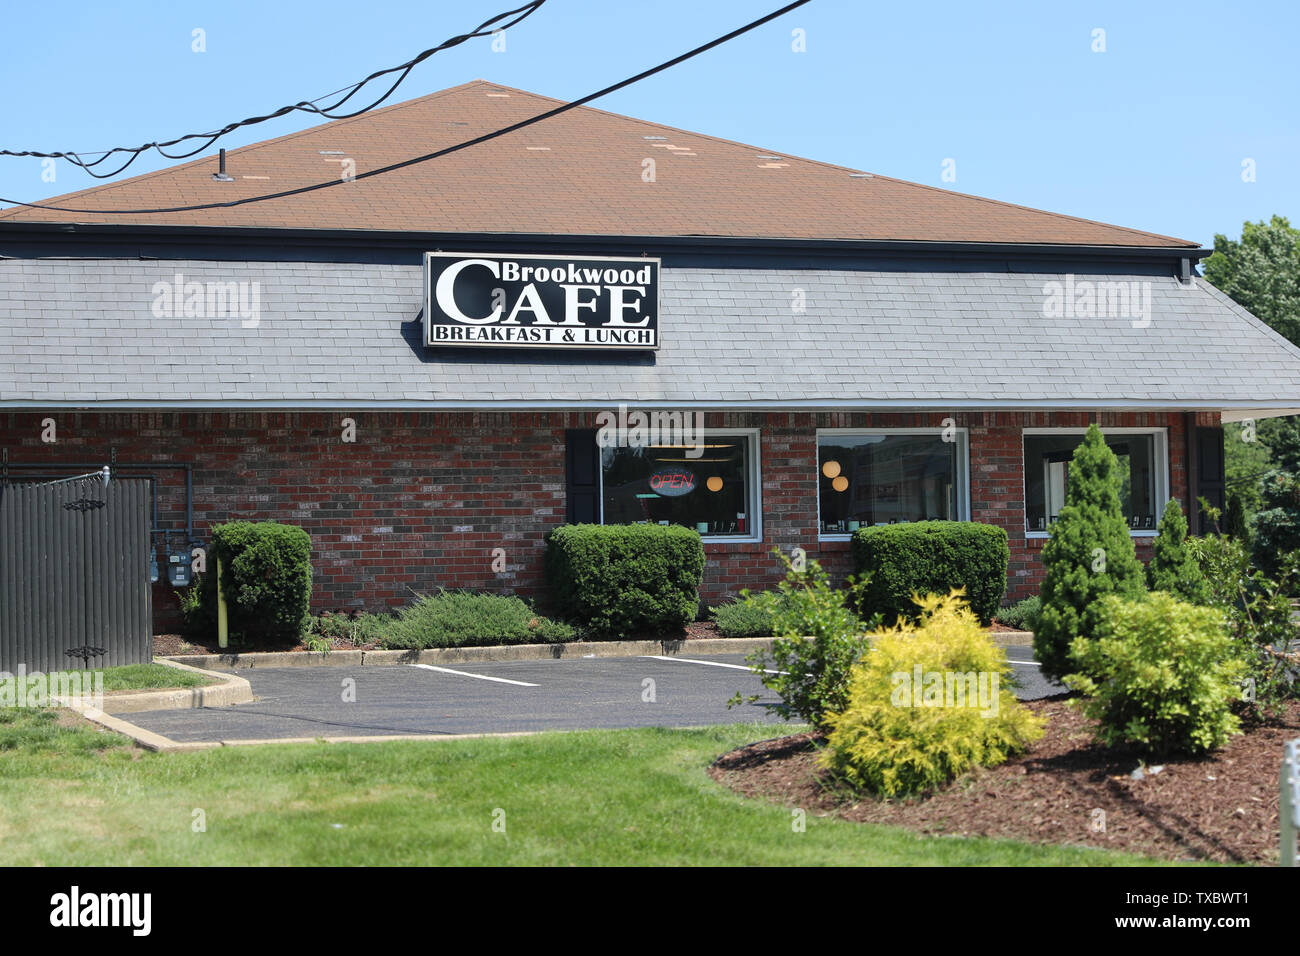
(1222, 808)
(170, 645)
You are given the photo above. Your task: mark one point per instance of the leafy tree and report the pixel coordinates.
(1248, 456)
(1277, 527)
(1089, 554)
(1173, 567)
(1282, 438)
(1261, 273)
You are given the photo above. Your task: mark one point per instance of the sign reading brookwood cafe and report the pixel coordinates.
(548, 302)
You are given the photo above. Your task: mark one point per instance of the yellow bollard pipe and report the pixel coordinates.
(223, 625)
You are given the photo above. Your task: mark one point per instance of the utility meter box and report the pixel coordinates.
(178, 569)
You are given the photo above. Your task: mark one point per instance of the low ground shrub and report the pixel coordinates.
(620, 580)
(358, 628)
(1159, 674)
(753, 615)
(1022, 614)
(902, 561)
(466, 619)
(928, 702)
(265, 576)
(819, 639)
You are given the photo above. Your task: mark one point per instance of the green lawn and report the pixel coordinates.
(151, 677)
(135, 677)
(75, 796)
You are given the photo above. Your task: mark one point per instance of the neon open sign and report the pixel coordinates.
(672, 484)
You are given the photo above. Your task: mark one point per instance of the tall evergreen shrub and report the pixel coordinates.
(1088, 555)
(1173, 566)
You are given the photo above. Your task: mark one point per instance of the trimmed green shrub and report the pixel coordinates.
(467, 619)
(926, 704)
(819, 639)
(1022, 614)
(925, 557)
(266, 579)
(620, 580)
(1173, 567)
(754, 615)
(1088, 555)
(1159, 674)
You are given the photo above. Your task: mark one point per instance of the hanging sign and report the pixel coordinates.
(546, 302)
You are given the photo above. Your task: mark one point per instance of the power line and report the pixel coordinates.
(563, 108)
(306, 106)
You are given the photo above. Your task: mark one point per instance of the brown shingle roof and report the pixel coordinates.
(579, 173)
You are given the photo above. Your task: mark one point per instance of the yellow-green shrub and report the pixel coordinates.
(1160, 675)
(884, 742)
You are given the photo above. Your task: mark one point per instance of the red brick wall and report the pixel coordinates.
(421, 500)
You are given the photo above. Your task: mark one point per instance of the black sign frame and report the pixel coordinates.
(559, 334)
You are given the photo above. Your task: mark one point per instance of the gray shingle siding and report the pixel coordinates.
(83, 331)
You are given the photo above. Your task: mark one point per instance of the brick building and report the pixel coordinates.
(368, 361)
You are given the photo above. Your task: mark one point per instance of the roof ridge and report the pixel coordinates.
(942, 214)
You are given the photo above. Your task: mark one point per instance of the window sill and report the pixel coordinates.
(1044, 535)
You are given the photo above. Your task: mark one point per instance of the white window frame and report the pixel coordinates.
(962, 468)
(1163, 491)
(753, 475)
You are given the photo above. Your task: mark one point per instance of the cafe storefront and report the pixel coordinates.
(756, 351)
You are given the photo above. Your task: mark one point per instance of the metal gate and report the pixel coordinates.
(74, 573)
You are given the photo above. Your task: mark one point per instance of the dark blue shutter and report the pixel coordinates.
(581, 476)
(1207, 475)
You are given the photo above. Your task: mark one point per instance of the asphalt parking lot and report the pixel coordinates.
(564, 694)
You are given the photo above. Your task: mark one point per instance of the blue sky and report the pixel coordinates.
(1151, 133)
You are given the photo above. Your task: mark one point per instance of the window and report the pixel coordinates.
(715, 493)
(888, 477)
(1143, 471)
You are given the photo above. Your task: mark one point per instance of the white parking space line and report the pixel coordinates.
(499, 680)
(692, 660)
(1012, 660)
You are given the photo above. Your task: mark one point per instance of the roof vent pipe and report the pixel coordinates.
(220, 175)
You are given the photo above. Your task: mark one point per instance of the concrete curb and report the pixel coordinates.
(506, 652)
(472, 655)
(229, 690)
(145, 738)
(1013, 638)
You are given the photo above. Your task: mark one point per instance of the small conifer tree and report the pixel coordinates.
(1173, 566)
(1088, 555)
(1234, 519)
